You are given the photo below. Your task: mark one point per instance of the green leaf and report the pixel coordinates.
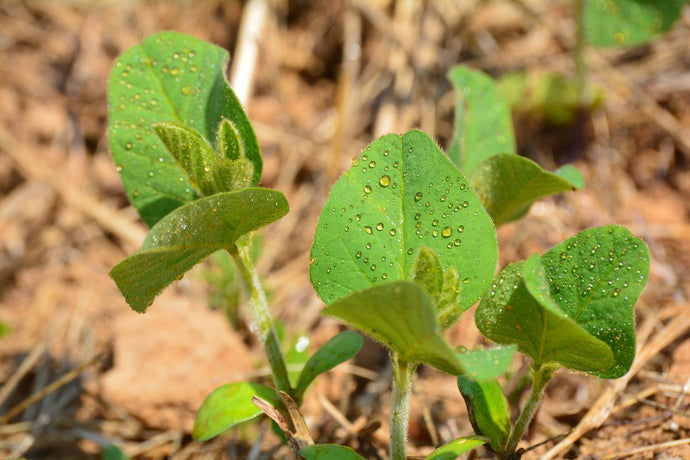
(190, 234)
(509, 184)
(596, 277)
(457, 447)
(428, 272)
(113, 452)
(337, 350)
(510, 313)
(486, 363)
(629, 22)
(170, 77)
(401, 315)
(192, 152)
(487, 409)
(296, 356)
(400, 194)
(483, 126)
(229, 405)
(329, 452)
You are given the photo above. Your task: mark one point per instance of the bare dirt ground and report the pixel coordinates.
(330, 78)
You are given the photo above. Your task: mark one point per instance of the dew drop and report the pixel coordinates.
(418, 196)
(564, 255)
(373, 267)
(446, 232)
(410, 250)
(457, 242)
(372, 164)
(392, 232)
(465, 204)
(128, 146)
(379, 226)
(358, 217)
(461, 228)
(368, 229)
(384, 276)
(434, 222)
(358, 254)
(385, 181)
(367, 189)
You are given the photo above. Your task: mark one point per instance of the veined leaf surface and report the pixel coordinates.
(402, 316)
(188, 235)
(169, 77)
(400, 194)
(509, 184)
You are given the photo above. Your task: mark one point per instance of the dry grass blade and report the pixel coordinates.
(56, 385)
(24, 368)
(641, 450)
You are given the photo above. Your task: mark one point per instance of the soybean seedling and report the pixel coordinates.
(404, 246)
(190, 162)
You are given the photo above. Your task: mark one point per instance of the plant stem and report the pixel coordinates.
(579, 52)
(540, 377)
(400, 407)
(262, 323)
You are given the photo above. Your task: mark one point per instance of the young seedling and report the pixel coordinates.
(190, 163)
(403, 246)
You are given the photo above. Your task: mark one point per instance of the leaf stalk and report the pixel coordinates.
(262, 323)
(540, 377)
(400, 407)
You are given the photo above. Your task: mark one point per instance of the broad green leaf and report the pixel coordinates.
(487, 409)
(190, 234)
(228, 406)
(337, 350)
(113, 452)
(400, 194)
(486, 363)
(509, 184)
(483, 126)
(457, 447)
(629, 22)
(510, 313)
(401, 315)
(329, 452)
(170, 77)
(596, 277)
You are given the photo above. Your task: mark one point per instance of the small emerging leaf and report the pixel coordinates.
(192, 152)
(190, 234)
(337, 350)
(486, 363)
(483, 126)
(487, 409)
(509, 184)
(228, 406)
(329, 452)
(170, 77)
(457, 447)
(629, 22)
(428, 272)
(401, 315)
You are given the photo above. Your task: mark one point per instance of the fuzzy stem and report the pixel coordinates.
(540, 377)
(400, 407)
(262, 323)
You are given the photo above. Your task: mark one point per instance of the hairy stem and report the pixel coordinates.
(540, 377)
(400, 407)
(262, 323)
